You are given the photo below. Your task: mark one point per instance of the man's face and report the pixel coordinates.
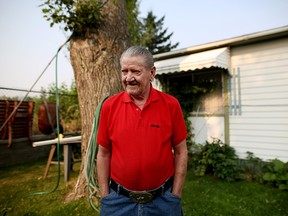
(136, 78)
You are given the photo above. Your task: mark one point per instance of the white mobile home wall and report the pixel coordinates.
(259, 120)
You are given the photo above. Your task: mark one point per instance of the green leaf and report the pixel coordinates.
(278, 165)
(269, 176)
(45, 10)
(283, 186)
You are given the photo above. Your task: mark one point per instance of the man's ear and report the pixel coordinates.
(153, 73)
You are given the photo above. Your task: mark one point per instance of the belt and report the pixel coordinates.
(142, 196)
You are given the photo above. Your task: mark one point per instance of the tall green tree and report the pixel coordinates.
(154, 36)
(134, 22)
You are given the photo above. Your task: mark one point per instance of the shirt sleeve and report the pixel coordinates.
(103, 130)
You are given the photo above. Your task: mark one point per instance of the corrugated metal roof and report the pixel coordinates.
(211, 58)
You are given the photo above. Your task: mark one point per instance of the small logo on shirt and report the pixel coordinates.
(155, 125)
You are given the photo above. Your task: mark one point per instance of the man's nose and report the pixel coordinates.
(129, 77)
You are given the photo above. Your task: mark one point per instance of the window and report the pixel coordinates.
(200, 91)
(209, 99)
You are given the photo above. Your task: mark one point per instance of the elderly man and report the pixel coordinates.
(142, 157)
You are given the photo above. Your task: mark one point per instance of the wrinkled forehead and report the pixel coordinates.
(135, 61)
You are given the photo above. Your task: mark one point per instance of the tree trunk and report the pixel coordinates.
(95, 61)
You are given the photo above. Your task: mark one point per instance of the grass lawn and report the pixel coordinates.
(202, 195)
(209, 196)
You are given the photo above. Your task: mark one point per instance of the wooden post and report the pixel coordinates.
(50, 157)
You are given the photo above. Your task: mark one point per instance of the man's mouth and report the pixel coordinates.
(133, 83)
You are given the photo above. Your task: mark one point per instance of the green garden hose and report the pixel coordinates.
(90, 161)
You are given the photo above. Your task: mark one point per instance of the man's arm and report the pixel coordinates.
(103, 169)
(181, 159)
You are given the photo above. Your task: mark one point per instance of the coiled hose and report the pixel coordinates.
(90, 161)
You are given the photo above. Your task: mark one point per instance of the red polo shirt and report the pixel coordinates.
(141, 141)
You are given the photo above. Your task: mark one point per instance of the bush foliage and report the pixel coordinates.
(276, 174)
(220, 160)
(217, 159)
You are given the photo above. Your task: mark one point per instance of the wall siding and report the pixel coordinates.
(262, 126)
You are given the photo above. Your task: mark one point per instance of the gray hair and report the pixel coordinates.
(139, 51)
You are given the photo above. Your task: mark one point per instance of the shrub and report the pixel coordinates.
(218, 159)
(252, 167)
(276, 173)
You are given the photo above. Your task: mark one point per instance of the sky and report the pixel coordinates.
(27, 43)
